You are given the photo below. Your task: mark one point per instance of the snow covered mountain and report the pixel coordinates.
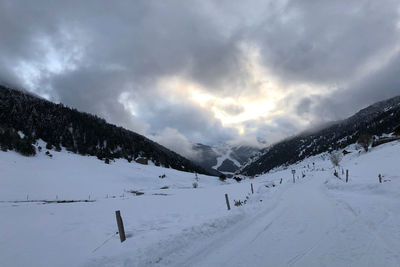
(26, 119)
(378, 119)
(225, 158)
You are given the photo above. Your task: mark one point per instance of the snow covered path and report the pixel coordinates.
(307, 227)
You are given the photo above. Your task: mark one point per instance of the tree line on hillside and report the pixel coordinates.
(25, 118)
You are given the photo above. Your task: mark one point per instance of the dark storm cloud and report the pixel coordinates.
(86, 54)
(121, 44)
(96, 91)
(379, 85)
(304, 106)
(326, 41)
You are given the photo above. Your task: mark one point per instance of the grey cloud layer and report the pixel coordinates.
(108, 48)
(326, 41)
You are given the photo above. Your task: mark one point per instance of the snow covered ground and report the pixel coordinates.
(318, 221)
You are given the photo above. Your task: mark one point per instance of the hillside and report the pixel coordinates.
(25, 119)
(378, 119)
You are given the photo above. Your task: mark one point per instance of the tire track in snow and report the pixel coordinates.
(197, 256)
(369, 227)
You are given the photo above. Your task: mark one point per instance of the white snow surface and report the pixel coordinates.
(318, 221)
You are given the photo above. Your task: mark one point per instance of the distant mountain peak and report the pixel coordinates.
(223, 158)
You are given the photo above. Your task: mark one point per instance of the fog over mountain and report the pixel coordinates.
(210, 72)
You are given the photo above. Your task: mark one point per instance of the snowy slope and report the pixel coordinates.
(318, 221)
(71, 176)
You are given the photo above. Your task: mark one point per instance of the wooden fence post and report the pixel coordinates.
(120, 224)
(280, 181)
(252, 191)
(347, 176)
(380, 178)
(227, 201)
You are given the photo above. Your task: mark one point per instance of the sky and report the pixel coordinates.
(181, 72)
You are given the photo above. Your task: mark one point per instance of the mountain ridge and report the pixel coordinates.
(79, 132)
(376, 119)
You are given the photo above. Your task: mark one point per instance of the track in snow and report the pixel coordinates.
(304, 227)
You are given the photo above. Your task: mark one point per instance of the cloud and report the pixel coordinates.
(174, 140)
(304, 106)
(214, 71)
(232, 108)
(248, 140)
(325, 42)
(377, 86)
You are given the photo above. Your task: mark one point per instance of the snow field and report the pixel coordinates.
(318, 221)
(68, 233)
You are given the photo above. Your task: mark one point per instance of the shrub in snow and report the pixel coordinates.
(335, 158)
(162, 176)
(24, 147)
(222, 177)
(237, 179)
(195, 185)
(238, 203)
(365, 140)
